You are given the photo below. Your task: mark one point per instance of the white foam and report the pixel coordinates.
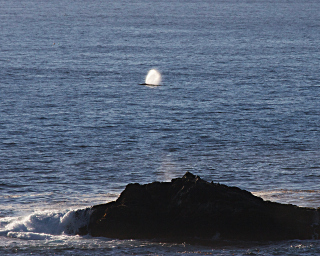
(29, 236)
(44, 224)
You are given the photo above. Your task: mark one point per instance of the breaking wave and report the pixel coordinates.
(44, 224)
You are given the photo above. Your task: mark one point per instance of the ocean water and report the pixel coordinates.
(239, 104)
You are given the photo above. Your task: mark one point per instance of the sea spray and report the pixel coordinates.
(44, 224)
(29, 235)
(74, 220)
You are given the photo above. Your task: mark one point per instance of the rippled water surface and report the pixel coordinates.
(239, 105)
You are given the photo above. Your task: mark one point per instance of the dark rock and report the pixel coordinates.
(189, 208)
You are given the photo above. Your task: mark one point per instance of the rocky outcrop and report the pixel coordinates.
(189, 208)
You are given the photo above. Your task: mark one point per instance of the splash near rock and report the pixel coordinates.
(189, 209)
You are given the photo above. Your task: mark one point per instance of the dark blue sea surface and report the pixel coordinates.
(239, 104)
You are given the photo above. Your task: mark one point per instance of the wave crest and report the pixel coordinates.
(44, 224)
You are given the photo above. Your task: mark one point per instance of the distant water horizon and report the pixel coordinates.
(239, 105)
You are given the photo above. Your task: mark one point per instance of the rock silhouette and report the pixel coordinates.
(190, 209)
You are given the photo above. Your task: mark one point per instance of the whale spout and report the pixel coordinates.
(153, 78)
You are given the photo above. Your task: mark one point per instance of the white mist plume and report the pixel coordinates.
(153, 77)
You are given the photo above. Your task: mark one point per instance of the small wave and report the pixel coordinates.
(29, 235)
(45, 224)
